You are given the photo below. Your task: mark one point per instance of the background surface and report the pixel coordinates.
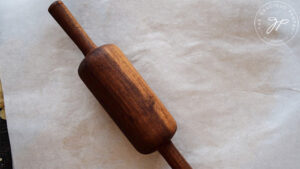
(236, 99)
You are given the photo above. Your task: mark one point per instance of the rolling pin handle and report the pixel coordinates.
(173, 156)
(66, 20)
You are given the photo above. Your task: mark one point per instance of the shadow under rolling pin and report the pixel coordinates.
(122, 92)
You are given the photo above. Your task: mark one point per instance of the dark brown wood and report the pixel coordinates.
(127, 98)
(66, 20)
(173, 157)
(123, 93)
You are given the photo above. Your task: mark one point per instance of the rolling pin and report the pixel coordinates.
(123, 92)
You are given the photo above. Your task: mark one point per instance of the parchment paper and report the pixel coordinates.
(235, 98)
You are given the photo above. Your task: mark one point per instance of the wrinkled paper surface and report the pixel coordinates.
(236, 99)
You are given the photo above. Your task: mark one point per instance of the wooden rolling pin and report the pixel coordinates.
(123, 93)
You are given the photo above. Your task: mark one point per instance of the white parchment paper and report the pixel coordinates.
(236, 99)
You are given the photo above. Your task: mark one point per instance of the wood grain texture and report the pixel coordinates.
(127, 98)
(122, 92)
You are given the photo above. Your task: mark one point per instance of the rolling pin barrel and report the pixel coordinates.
(127, 98)
(123, 93)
